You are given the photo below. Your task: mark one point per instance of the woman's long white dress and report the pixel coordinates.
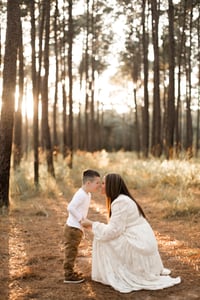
(125, 252)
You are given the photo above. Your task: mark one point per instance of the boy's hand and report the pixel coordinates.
(86, 223)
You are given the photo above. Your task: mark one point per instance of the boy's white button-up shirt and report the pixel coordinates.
(78, 208)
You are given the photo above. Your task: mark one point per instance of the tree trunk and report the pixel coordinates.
(178, 112)
(55, 135)
(8, 98)
(17, 136)
(92, 83)
(70, 44)
(45, 122)
(86, 133)
(145, 115)
(198, 104)
(35, 90)
(156, 146)
(137, 127)
(171, 101)
(63, 80)
(189, 129)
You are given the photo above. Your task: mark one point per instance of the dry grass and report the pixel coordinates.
(175, 182)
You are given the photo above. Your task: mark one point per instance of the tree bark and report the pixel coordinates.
(170, 120)
(178, 111)
(45, 121)
(156, 146)
(17, 136)
(145, 114)
(189, 129)
(70, 44)
(198, 104)
(8, 98)
(55, 135)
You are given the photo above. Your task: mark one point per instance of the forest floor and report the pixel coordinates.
(31, 252)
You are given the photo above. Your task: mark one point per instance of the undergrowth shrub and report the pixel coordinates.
(173, 181)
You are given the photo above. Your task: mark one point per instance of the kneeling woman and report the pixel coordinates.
(125, 252)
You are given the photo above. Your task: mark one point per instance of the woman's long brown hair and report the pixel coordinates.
(114, 186)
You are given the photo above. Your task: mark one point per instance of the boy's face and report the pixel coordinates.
(93, 186)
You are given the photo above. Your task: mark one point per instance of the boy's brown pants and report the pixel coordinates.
(72, 239)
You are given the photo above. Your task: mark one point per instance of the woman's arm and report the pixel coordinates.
(117, 222)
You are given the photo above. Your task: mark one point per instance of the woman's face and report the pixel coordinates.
(103, 186)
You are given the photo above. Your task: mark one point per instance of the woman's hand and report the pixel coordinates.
(86, 223)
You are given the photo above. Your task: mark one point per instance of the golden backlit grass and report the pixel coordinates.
(176, 183)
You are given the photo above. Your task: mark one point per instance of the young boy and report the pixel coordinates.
(73, 231)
